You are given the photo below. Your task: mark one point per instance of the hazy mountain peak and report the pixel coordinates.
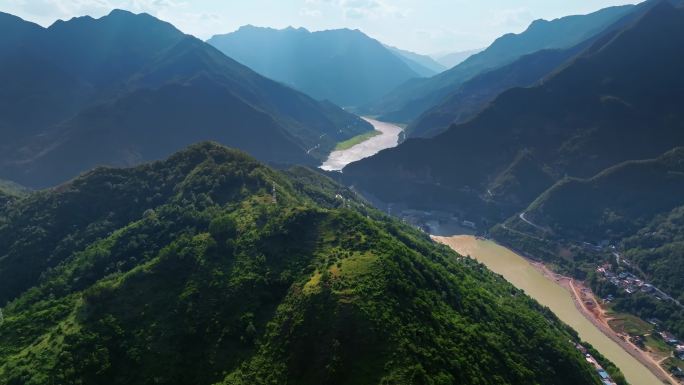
(92, 72)
(342, 65)
(9, 18)
(124, 13)
(12, 27)
(410, 100)
(537, 23)
(118, 20)
(297, 29)
(250, 28)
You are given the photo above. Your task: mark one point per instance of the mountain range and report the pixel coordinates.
(414, 97)
(474, 95)
(127, 88)
(613, 103)
(615, 203)
(344, 66)
(193, 270)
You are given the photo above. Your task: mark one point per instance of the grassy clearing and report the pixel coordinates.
(12, 189)
(313, 286)
(349, 143)
(357, 265)
(632, 325)
(672, 363)
(657, 345)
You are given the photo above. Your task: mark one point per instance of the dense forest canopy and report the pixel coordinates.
(211, 268)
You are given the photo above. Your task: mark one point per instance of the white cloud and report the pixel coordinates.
(310, 12)
(46, 11)
(358, 9)
(178, 12)
(510, 18)
(51, 9)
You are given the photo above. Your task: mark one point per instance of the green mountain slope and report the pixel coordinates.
(593, 114)
(475, 94)
(413, 98)
(88, 92)
(636, 197)
(187, 271)
(343, 66)
(614, 203)
(10, 191)
(11, 188)
(658, 250)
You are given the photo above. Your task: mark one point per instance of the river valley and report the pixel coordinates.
(519, 272)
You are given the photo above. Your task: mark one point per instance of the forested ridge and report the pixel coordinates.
(211, 268)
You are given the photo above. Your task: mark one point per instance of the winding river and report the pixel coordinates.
(519, 272)
(388, 138)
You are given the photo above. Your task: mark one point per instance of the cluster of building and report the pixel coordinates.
(678, 372)
(679, 352)
(669, 338)
(605, 377)
(630, 283)
(675, 343)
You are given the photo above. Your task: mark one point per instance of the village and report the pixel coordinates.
(631, 284)
(442, 222)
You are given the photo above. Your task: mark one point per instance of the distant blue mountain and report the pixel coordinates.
(412, 98)
(343, 66)
(128, 88)
(620, 99)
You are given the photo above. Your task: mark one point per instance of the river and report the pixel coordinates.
(388, 138)
(519, 272)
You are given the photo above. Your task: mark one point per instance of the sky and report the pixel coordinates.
(423, 26)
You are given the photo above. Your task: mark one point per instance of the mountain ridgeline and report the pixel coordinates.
(592, 114)
(413, 98)
(128, 88)
(210, 268)
(474, 95)
(615, 203)
(343, 66)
